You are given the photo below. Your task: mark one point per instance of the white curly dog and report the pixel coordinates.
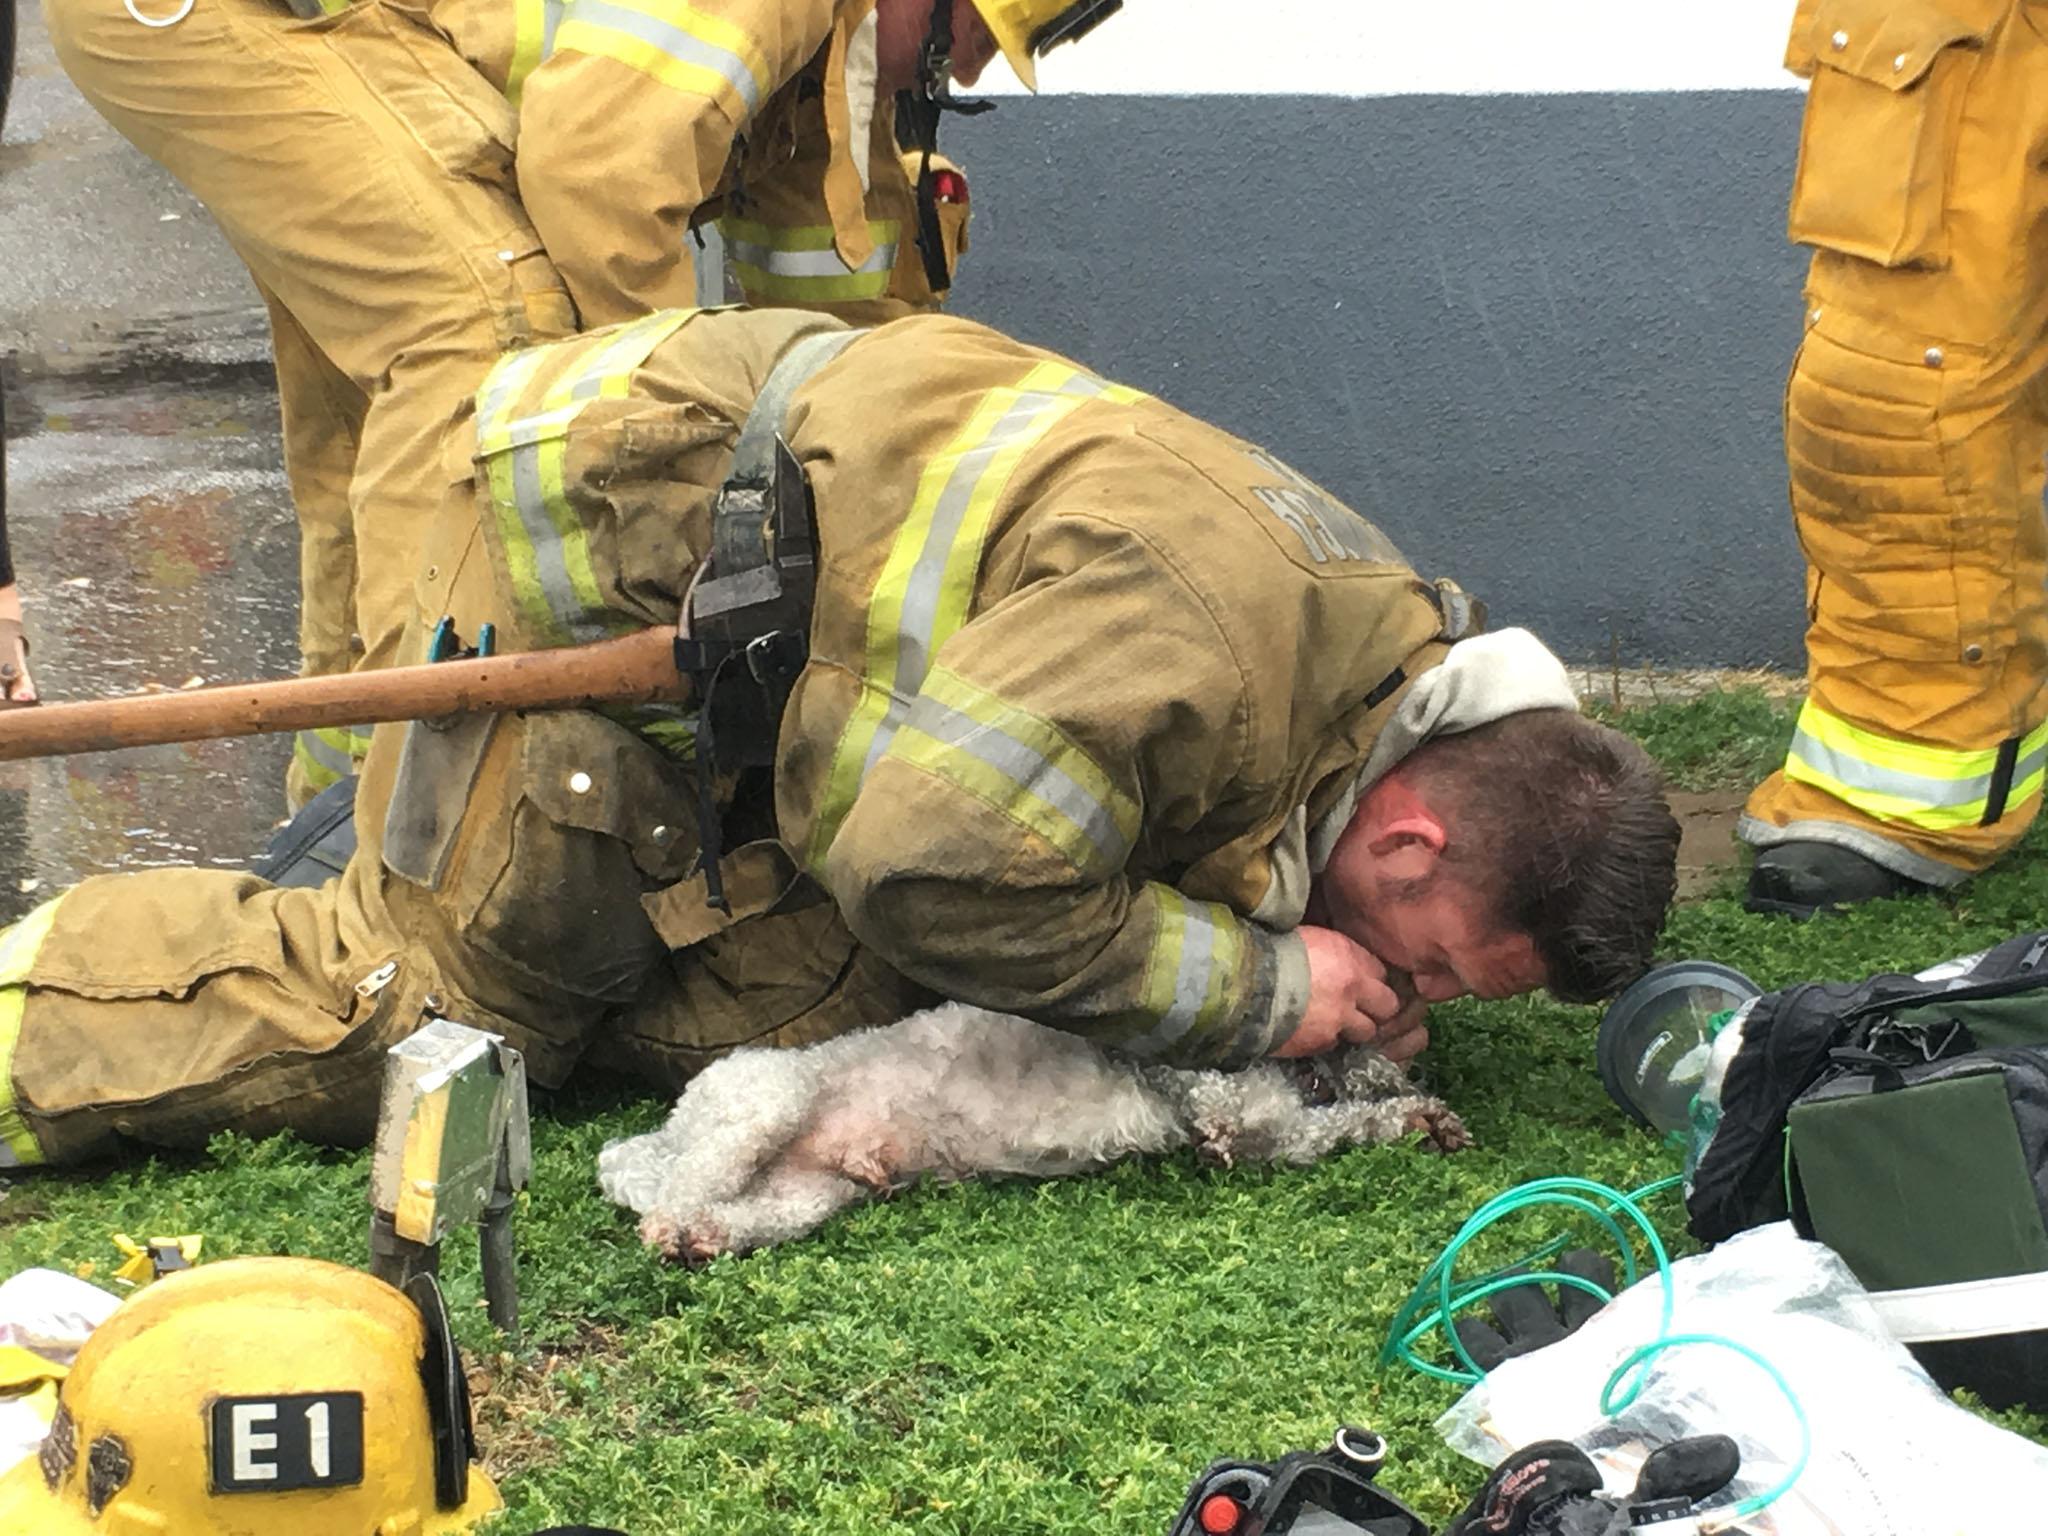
(764, 1145)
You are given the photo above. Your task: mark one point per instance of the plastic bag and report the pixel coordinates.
(51, 1313)
(1889, 1450)
(46, 1317)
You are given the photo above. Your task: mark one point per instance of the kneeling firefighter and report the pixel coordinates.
(998, 712)
(417, 189)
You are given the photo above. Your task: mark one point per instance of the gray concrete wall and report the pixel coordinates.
(1541, 340)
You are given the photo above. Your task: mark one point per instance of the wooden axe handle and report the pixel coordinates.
(634, 669)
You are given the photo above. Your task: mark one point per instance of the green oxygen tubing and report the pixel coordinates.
(1439, 1295)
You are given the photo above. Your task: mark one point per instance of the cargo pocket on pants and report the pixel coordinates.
(1870, 493)
(1889, 77)
(468, 131)
(571, 821)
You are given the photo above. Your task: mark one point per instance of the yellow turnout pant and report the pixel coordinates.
(1916, 421)
(363, 171)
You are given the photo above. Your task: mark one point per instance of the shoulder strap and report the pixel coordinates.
(739, 522)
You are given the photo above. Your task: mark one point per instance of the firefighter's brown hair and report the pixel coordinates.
(1563, 824)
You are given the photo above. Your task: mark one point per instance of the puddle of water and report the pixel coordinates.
(156, 542)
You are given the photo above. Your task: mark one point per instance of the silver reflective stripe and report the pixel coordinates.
(550, 20)
(504, 384)
(1858, 773)
(1190, 988)
(684, 47)
(927, 583)
(1026, 767)
(550, 563)
(1191, 985)
(323, 754)
(825, 263)
(627, 348)
(2034, 762)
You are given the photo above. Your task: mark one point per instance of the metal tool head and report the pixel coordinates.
(454, 1102)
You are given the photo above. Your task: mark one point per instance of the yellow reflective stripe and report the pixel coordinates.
(1197, 949)
(1934, 788)
(504, 386)
(801, 262)
(547, 548)
(545, 544)
(534, 23)
(330, 753)
(19, 946)
(1021, 765)
(567, 376)
(673, 43)
(927, 582)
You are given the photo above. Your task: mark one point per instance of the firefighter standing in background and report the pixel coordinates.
(1011, 721)
(362, 162)
(1916, 422)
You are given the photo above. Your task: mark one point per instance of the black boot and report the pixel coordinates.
(1803, 879)
(315, 845)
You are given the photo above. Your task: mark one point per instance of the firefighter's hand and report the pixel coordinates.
(17, 685)
(1352, 1000)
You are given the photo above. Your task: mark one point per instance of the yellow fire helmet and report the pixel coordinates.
(1024, 29)
(260, 1397)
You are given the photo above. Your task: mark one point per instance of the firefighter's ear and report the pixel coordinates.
(1402, 833)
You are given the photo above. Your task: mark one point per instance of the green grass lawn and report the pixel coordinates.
(1014, 1357)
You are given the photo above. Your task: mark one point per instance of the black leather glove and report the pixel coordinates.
(1526, 1316)
(1552, 1488)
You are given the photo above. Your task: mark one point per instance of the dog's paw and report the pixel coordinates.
(1215, 1145)
(693, 1241)
(1441, 1128)
(874, 1171)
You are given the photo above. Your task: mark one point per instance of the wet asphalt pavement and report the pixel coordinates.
(146, 497)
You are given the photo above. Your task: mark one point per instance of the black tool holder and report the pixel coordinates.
(747, 619)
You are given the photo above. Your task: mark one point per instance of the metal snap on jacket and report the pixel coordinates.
(1932, 357)
(1840, 41)
(579, 783)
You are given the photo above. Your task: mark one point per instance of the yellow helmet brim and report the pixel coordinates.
(1021, 63)
(26, 1504)
(1012, 33)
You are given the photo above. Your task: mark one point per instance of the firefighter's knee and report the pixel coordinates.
(533, 838)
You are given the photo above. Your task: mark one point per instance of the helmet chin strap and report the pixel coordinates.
(919, 111)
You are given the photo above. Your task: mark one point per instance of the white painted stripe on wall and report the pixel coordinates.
(1416, 47)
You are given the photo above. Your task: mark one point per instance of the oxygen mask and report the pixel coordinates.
(1665, 1043)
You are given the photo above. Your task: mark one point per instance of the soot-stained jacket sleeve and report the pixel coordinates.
(1054, 743)
(626, 127)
